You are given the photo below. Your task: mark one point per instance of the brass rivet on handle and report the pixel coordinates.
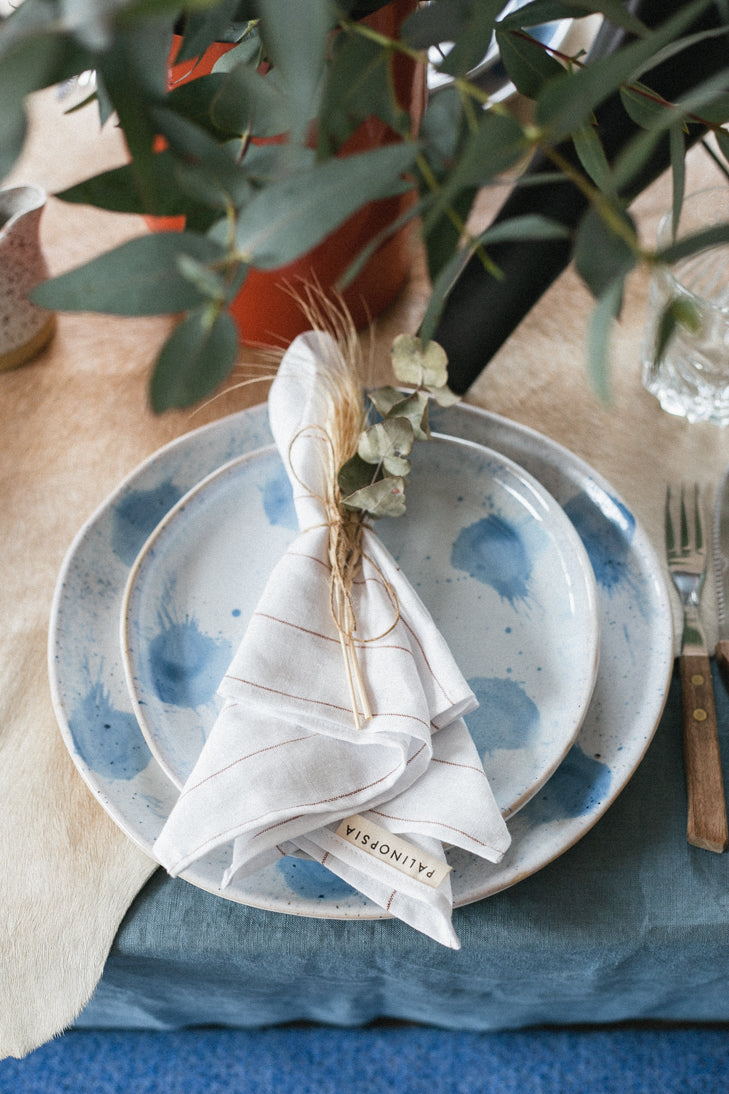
(697, 679)
(699, 715)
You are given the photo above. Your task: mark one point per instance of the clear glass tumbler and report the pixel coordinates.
(691, 377)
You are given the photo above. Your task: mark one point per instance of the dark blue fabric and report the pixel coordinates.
(629, 924)
(376, 1061)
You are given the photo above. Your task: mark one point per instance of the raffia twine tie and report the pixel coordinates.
(346, 556)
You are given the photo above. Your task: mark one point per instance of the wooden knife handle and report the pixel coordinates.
(722, 654)
(707, 819)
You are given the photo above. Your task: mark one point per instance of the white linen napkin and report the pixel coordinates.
(285, 764)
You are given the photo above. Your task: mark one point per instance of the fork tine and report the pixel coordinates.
(670, 536)
(698, 525)
(684, 521)
(689, 520)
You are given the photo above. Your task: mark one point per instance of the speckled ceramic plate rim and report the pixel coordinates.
(532, 848)
(579, 676)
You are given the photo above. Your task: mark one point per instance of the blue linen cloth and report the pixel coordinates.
(629, 924)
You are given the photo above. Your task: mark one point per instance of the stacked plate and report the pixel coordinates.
(539, 577)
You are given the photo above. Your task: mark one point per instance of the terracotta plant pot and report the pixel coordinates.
(264, 310)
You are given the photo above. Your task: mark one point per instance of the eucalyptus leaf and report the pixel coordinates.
(707, 101)
(712, 107)
(416, 363)
(615, 11)
(247, 50)
(432, 24)
(384, 498)
(524, 226)
(414, 408)
(442, 127)
(91, 21)
(539, 12)
(220, 181)
(134, 73)
(355, 475)
(195, 359)
(205, 26)
(248, 100)
(722, 139)
(496, 145)
(527, 62)
(392, 438)
(293, 214)
(115, 190)
(208, 282)
(592, 157)
(445, 233)
(642, 105)
(34, 54)
(359, 86)
(474, 40)
(265, 162)
(140, 277)
(442, 286)
(601, 256)
(678, 172)
(397, 465)
(567, 102)
(670, 49)
(27, 62)
(295, 38)
(691, 244)
(443, 396)
(536, 13)
(599, 330)
(385, 399)
(677, 312)
(194, 100)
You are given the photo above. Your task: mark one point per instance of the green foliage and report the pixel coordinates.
(198, 355)
(293, 213)
(373, 480)
(140, 277)
(251, 159)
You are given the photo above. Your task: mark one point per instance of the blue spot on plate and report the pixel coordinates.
(577, 788)
(186, 665)
(311, 880)
(106, 739)
(137, 515)
(278, 500)
(493, 552)
(606, 534)
(505, 718)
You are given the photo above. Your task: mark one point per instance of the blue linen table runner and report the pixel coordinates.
(629, 924)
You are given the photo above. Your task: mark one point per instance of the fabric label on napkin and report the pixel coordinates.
(387, 847)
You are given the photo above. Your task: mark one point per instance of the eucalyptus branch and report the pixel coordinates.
(457, 221)
(596, 198)
(391, 45)
(373, 481)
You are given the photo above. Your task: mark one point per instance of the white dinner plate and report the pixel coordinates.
(491, 554)
(102, 734)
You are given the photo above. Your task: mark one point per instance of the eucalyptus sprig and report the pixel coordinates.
(373, 481)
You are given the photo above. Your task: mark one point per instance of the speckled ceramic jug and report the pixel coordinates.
(24, 328)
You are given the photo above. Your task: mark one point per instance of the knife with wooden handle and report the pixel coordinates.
(720, 555)
(698, 698)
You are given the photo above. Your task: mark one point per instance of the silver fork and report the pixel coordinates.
(686, 553)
